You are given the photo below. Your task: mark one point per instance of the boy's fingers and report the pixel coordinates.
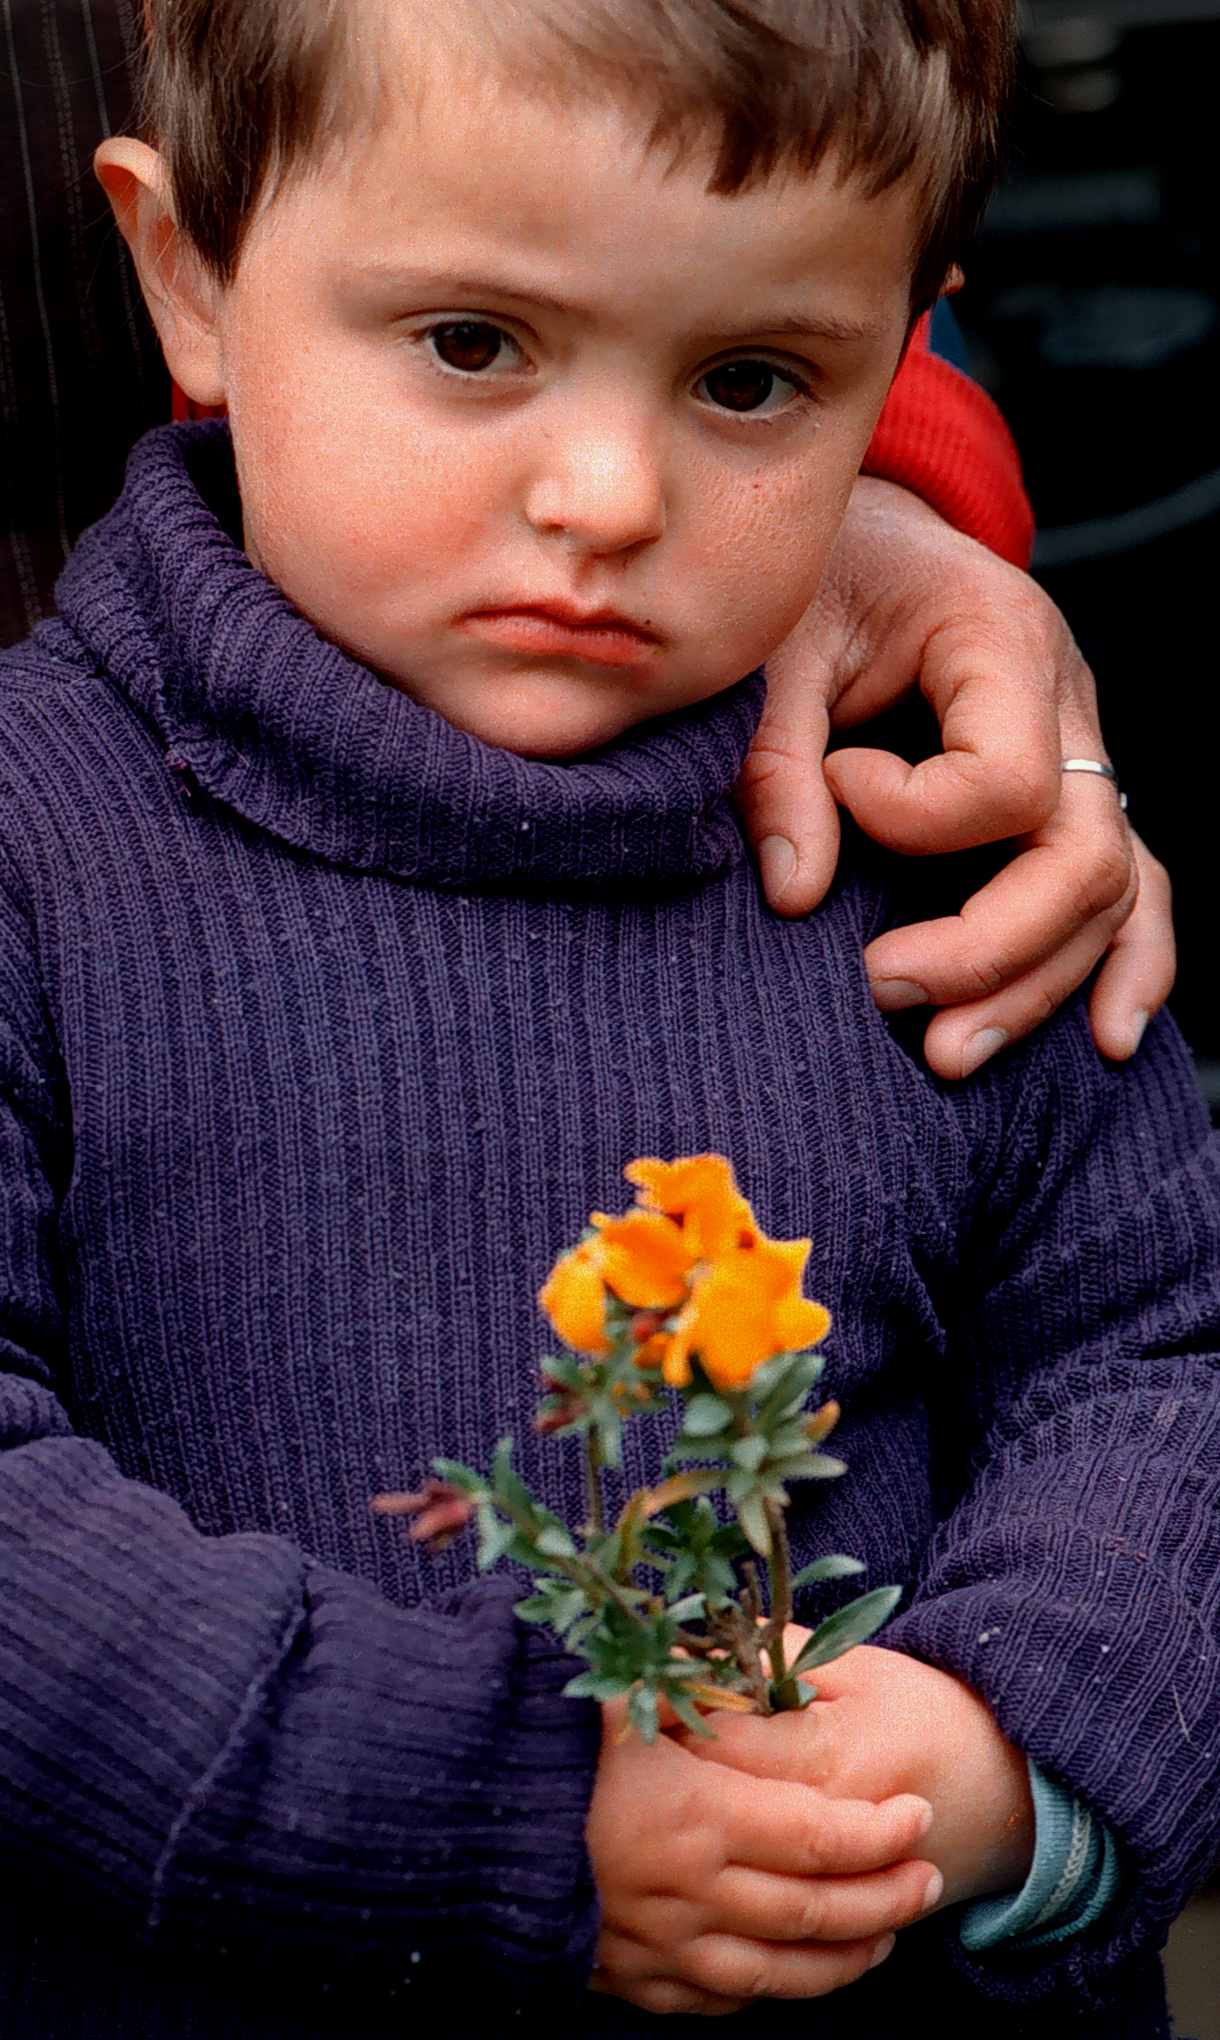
(786, 807)
(723, 1973)
(1137, 976)
(796, 1831)
(782, 1909)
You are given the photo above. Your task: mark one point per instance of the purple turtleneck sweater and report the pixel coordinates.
(322, 1027)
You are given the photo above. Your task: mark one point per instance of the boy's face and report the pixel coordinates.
(538, 429)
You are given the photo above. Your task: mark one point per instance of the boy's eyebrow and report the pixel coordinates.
(796, 325)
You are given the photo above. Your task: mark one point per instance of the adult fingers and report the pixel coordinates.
(1137, 976)
(1022, 944)
(786, 806)
(956, 800)
(997, 773)
(783, 1909)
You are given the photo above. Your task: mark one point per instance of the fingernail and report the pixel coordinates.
(978, 1047)
(777, 863)
(884, 1948)
(894, 995)
(925, 1820)
(1138, 1023)
(935, 1886)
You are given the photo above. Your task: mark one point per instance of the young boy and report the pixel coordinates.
(371, 894)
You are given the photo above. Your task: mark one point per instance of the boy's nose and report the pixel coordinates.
(599, 486)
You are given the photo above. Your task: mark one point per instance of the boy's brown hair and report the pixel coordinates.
(239, 93)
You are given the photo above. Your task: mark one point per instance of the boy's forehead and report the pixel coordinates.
(401, 57)
(499, 189)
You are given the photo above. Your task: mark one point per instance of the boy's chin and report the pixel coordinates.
(552, 717)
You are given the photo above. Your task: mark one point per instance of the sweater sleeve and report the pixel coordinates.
(1075, 1578)
(941, 436)
(224, 1744)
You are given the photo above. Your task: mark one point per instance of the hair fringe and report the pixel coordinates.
(238, 93)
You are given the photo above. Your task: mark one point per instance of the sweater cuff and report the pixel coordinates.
(941, 436)
(1073, 1879)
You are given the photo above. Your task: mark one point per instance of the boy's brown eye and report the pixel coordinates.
(745, 385)
(468, 344)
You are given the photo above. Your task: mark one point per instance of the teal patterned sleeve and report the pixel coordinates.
(1075, 1877)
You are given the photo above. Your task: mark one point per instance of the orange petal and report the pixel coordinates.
(574, 1298)
(745, 1308)
(700, 1190)
(643, 1259)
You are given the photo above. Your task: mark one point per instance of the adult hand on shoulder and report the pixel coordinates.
(907, 600)
(716, 1890)
(884, 1723)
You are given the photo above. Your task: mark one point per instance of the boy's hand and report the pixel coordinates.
(885, 1723)
(716, 1891)
(907, 600)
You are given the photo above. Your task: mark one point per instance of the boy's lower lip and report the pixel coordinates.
(541, 636)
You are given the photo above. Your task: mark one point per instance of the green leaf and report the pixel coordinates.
(610, 1439)
(848, 1627)
(753, 1520)
(557, 1603)
(642, 1713)
(748, 1452)
(818, 1466)
(689, 1609)
(705, 1416)
(508, 1483)
(557, 1367)
(494, 1538)
(685, 1709)
(836, 1567)
(536, 1609)
(790, 1389)
(554, 1541)
(463, 1478)
(594, 1685)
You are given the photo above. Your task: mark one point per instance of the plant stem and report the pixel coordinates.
(785, 1694)
(593, 1486)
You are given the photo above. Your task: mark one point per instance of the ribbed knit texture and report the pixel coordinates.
(941, 436)
(322, 1028)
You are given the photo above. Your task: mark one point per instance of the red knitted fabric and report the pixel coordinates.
(941, 436)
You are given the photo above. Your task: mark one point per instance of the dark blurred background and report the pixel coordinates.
(1092, 314)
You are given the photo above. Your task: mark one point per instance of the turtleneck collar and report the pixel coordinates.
(281, 726)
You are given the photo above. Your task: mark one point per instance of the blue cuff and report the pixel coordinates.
(1074, 1877)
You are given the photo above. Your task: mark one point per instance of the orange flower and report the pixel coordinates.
(643, 1258)
(694, 1248)
(574, 1298)
(743, 1309)
(700, 1191)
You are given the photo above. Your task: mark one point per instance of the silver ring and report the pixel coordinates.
(1096, 765)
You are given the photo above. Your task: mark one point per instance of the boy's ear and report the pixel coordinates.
(181, 294)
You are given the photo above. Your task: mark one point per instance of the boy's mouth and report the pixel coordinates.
(552, 630)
